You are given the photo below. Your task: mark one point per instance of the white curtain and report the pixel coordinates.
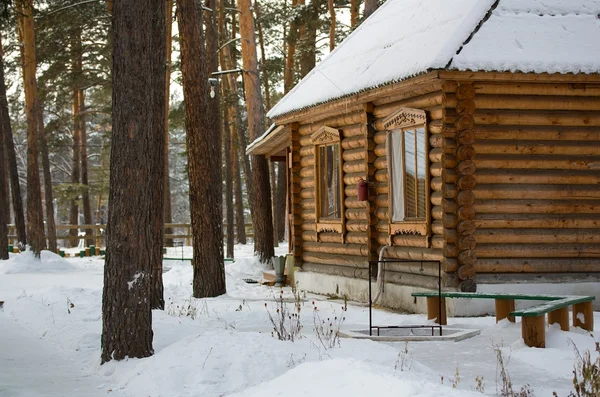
(395, 153)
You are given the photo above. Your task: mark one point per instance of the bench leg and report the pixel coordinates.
(533, 330)
(583, 316)
(560, 316)
(433, 308)
(503, 308)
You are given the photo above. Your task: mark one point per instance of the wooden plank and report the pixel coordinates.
(546, 162)
(520, 267)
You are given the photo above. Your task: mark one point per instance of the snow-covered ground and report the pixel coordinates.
(51, 325)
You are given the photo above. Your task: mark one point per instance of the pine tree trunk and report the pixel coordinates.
(263, 223)
(3, 199)
(15, 186)
(292, 39)
(240, 217)
(354, 9)
(87, 207)
(273, 183)
(48, 196)
(308, 49)
(331, 25)
(204, 157)
(169, 38)
(75, 169)
(227, 144)
(135, 215)
(281, 196)
(263, 59)
(35, 217)
(370, 7)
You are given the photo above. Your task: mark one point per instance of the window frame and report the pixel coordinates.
(399, 122)
(323, 137)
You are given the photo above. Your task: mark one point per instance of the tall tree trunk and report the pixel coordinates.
(331, 25)
(292, 39)
(273, 183)
(370, 7)
(3, 198)
(240, 218)
(75, 169)
(48, 196)
(35, 217)
(263, 223)
(87, 207)
(241, 136)
(308, 48)
(15, 186)
(169, 34)
(76, 65)
(227, 144)
(263, 58)
(354, 10)
(135, 215)
(204, 157)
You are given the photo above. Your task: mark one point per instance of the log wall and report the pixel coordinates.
(537, 146)
(366, 223)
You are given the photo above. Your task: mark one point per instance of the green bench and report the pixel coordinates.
(533, 322)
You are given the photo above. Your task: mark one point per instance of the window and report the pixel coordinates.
(329, 200)
(329, 182)
(407, 170)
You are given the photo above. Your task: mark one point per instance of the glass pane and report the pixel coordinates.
(421, 173)
(396, 175)
(329, 182)
(410, 167)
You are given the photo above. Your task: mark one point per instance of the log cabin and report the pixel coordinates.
(476, 124)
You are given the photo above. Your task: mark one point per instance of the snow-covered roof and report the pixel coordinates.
(404, 38)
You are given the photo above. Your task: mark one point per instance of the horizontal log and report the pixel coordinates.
(466, 212)
(435, 140)
(535, 117)
(537, 102)
(449, 190)
(403, 240)
(533, 176)
(436, 169)
(466, 242)
(355, 166)
(466, 167)
(381, 188)
(534, 221)
(358, 130)
(538, 251)
(537, 147)
(538, 236)
(312, 236)
(381, 176)
(536, 265)
(307, 203)
(537, 206)
(437, 212)
(435, 126)
(467, 257)
(450, 250)
(353, 225)
(546, 162)
(450, 221)
(518, 77)
(308, 226)
(382, 213)
(334, 259)
(437, 227)
(449, 205)
(435, 155)
(536, 133)
(307, 151)
(307, 172)
(551, 89)
(380, 163)
(353, 203)
(466, 272)
(436, 198)
(414, 253)
(380, 150)
(336, 249)
(424, 268)
(356, 154)
(358, 213)
(350, 191)
(466, 182)
(359, 141)
(437, 242)
(540, 192)
(449, 145)
(419, 102)
(307, 161)
(436, 184)
(307, 215)
(307, 193)
(465, 91)
(466, 227)
(450, 265)
(381, 200)
(307, 182)
(465, 152)
(336, 121)
(417, 280)
(380, 137)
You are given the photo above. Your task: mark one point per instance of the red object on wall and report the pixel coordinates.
(363, 190)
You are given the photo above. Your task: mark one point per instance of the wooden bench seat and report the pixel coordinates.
(533, 323)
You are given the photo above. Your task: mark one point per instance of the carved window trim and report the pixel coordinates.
(327, 136)
(402, 120)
